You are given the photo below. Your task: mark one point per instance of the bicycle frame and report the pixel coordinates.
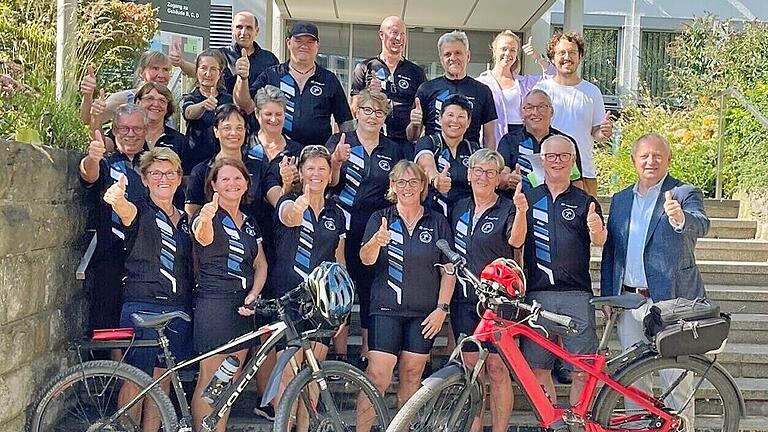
(502, 334)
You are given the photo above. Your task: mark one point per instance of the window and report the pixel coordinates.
(654, 61)
(600, 58)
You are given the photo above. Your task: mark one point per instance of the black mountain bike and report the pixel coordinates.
(87, 396)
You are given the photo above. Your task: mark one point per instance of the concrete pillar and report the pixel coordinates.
(629, 59)
(573, 20)
(66, 31)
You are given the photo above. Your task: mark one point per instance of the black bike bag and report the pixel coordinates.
(683, 327)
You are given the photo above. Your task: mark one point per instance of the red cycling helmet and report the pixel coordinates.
(505, 276)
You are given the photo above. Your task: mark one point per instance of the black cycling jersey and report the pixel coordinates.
(520, 147)
(203, 145)
(557, 246)
(308, 111)
(364, 179)
(480, 239)
(433, 92)
(457, 169)
(400, 87)
(260, 59)
(158, 263)
(302, 248)
(110, 231)
(407, 283)
(226, 265)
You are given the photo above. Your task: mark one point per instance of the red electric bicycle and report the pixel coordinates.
(621, 394)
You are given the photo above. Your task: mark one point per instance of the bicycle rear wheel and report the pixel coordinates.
(704, 395)
(433, 408)
(83, 397)
(346, 389)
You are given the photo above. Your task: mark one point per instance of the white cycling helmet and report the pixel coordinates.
(332, 291)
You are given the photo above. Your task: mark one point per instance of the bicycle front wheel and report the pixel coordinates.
(346, 401)
(697, 389)
(85, 396)
(446, 407)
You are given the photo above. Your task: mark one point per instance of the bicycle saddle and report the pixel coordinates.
(157, 321)
(624, 301)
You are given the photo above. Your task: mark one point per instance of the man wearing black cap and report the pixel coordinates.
(313, 93)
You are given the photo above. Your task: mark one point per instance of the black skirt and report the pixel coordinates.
(217, 322)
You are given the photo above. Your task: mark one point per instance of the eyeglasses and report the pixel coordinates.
(123, 130)
(564, 157)
(490, 173)
(157, 175)
(152, 99)
(563, 53)
(370, 111)
(538, 108)
(402, 183)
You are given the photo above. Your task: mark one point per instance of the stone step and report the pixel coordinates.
(718, 272)
(734, 299)
(717, 249)
(713, 207)
(727, 228)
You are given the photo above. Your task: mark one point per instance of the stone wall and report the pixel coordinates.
(754, 205)
(42, 225)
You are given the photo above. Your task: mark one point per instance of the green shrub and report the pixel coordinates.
(746, 143)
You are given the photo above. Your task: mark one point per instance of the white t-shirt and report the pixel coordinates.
(512, 104)
(577, 109)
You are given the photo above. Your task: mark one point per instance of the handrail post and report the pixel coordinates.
(719, 169)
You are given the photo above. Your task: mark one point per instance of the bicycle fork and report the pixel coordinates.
(324, 394)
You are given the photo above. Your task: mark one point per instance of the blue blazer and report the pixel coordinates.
(670, 265)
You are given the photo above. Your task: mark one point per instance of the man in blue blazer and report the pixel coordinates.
(652, 232)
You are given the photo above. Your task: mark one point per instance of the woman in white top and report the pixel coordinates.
(507, 85)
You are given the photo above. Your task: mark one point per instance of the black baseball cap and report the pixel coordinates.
(304, 28)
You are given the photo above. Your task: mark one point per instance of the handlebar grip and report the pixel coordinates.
(454, 257)
(563, 320)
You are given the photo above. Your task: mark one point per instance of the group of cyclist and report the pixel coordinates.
(259, 192)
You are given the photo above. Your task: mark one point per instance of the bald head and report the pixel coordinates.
(392, 35)
(248, 16)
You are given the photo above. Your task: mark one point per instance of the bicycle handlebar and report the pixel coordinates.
(461, 266)
(268, 307)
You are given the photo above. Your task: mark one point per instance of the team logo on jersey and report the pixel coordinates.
(330, 225)
(465, 161)
(425, 237)
(403, 83)
(184, 227)
(316, 90)
(568, 214)
(250, 231)
(384, 164)
(487, 227)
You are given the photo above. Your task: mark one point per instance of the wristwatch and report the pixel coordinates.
(445, 307)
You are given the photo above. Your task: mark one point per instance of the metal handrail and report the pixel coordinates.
(86, 259)
(724, 95)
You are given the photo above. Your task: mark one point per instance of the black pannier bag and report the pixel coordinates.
(683, 327)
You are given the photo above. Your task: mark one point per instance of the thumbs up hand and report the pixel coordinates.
(606, 126)
(174, 52)
(342, 151)
(210, 103)
(417, 115)
(673, 209)
(115, 195)
(88, 83)
(529, 49)
(382, 236)
(515, 178)
(97, 148)
(442, 181)
(374, 84)
(208, 211)
(243, 65)
(302, 202)
(519, 199)
(289, 173)
(99, 107)
(594, 221)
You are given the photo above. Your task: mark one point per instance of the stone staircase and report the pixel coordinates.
(734, 267)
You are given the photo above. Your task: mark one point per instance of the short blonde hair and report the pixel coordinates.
(159, 154)
(486, 155)
(375, 98)
(399, 170)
